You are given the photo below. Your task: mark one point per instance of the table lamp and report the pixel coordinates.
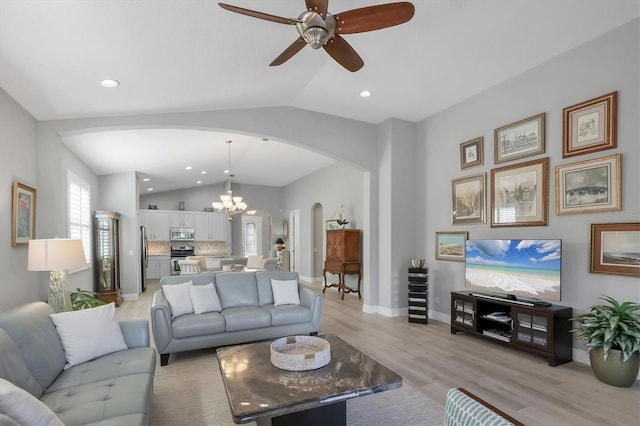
(56, 255)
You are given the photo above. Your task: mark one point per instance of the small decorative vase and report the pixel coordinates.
(613, 371)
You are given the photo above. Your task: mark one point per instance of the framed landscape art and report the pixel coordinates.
(451, 245)
(615, 248)
(471, 153)
(589, 126)
(519, 194)
(521, 139)
(23, 214)
(589, 186)
(468, 200)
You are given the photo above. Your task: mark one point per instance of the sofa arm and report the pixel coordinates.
(135, 332)
(161, 321)
(312, 299)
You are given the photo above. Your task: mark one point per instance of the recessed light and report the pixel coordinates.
(149, 189)
(146, 180)
(226, 171)
(109, 84)
(365, 93)
(188, 168)
(199, 182)
(204, 172)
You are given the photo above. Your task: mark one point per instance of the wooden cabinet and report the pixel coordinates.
(210, 226)
(419, 295)
(158, 267)
(182, 219)
(156, 223)
(342, 258)
(106, 237)
(537, 329)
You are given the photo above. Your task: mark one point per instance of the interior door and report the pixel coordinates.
(294, 237)
(252, 235)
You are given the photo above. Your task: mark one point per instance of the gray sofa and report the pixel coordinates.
(248, 313)
(114, 389)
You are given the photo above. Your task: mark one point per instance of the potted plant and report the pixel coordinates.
(612, 333)
(84, 299)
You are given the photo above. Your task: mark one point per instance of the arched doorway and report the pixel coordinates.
(317, 241)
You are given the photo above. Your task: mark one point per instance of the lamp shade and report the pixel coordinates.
(55, 254)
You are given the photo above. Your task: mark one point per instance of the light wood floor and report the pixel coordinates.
(433, 360)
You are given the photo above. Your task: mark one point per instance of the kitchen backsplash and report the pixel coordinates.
(210, 248)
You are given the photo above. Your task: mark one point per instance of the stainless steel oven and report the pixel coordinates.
(182, 234)
(179, 252)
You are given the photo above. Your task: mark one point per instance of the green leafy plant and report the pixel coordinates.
(84, 299)
(612, 326)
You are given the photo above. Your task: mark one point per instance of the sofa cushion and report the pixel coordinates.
(285, 292)
(198, 325)
(13, 368)
(33, 331)
(246, 317)
(204, 298)
(288, 314)
(89, 333)
(24, 408)
(178, 297)
(263, 279)
(237, 289)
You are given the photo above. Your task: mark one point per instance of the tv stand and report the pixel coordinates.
(522, 324)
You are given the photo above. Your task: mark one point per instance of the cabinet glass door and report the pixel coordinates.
(532, 329)
(464, 312)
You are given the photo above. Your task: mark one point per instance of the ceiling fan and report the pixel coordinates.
(318, 28)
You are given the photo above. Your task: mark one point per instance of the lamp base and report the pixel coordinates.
(59, 298)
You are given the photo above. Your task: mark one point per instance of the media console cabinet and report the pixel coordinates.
(530, 327)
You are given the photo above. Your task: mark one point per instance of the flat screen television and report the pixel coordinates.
(527, 268)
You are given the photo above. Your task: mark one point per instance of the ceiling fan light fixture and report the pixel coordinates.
(316, 37)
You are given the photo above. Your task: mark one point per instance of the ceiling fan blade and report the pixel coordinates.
(318, 6)
(373, 17)
(259, 15)
(295, 47)
(343, 53)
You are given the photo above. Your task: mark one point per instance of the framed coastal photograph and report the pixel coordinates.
(451, 245)
(468, 200)
(589, 186)
(590, 126)
(519, 194)
(332, 224)
(471, 153)
(23, 214)
(521, 139)
(615, 248)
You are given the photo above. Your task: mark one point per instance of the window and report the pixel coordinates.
(79, 212)
(250, 239)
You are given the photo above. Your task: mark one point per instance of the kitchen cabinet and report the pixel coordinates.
(182, 219)
(158, 267)
(210, 226)
(156, 223)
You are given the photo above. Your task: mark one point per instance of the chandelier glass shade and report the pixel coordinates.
(228, 203)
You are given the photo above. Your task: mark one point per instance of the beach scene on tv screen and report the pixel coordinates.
(529, 268)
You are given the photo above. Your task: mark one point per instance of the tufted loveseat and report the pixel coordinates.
(113, 389)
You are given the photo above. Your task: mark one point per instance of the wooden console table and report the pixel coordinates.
(343, 258)
(341, 269)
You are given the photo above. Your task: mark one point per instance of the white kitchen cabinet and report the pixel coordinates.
(158, 267)
(182, 219)
(210, 226)
(156, 223)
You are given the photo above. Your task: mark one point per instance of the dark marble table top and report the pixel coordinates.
(255, 388)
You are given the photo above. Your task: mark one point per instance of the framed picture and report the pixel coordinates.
(589, 126)
(519, 194)
(615, 248)
(333, 224)
(521, 139)
(23, 214)
(451, 245)
(471, 153)
(468, 200)
(589, 186)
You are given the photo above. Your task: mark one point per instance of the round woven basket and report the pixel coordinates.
(299, 353)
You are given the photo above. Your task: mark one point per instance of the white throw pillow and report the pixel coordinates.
(89, 333)
(204, 298)
(285, 292)
(178, 297)
(24, 408)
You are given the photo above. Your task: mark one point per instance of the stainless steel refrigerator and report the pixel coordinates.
(144, 256)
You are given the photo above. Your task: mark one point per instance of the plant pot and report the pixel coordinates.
(613, 371)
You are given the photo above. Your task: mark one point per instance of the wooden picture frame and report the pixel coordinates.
(472, 153)
(519, 194)
(590, 126)
(589, 186)
(521, 139)
(468, 200)
(332, 224)
(615, 248)
(451, 245)
(23, 214)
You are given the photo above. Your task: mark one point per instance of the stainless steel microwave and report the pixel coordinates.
(182, 234)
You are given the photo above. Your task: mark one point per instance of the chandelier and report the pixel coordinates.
(228, 203)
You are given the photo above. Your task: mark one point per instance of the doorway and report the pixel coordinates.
(294, 238)
(318, 242)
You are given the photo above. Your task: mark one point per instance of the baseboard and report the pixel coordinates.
(130, 296)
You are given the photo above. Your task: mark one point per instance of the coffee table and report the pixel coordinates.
(258, 391)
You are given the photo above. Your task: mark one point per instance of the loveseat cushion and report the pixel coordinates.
(198, 325)
(13, 368)
(24, 408)
(34, 333)
(288, 314)
(237, 289)
(245, 318)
